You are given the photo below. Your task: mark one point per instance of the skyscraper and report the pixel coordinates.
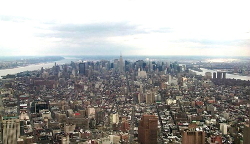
(219, 75)
(82, 67)
(214, 75)
(224, 75)
(150, 97)
(147, 129)
(121, 64)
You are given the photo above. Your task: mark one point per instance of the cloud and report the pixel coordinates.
(86, 39)
(13, 18)
(163, 30)
(94, 38)
(83, 47)
(108, 28)
(92, 30)
(99, 30)
(208, 43)
(244, 43)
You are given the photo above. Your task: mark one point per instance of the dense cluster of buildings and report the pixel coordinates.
(104, 102)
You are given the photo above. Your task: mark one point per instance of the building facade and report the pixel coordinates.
(147, 129)
(193, 137)
(10, 130)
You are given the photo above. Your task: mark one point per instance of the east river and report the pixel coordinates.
(231, 76)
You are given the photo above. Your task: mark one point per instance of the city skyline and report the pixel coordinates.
(132, 27)
(119, 101)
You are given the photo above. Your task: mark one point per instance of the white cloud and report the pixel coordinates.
(166, 27)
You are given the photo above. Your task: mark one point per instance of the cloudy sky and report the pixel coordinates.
(132, 27)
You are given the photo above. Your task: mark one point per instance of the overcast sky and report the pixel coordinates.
(132, 27)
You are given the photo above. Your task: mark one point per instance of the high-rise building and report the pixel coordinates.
(10, 129)
(127, 65)
(179, 69)
(150, 98)
(214, 75)
(193, 137)
(219, 75)
(121, 64)
(82, 67)
(147, 129)
(224, 75)
(116, 64)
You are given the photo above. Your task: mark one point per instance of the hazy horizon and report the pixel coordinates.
(118, 55)
(150, 28)
(136, 57)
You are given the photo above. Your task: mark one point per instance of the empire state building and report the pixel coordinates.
(121, 64)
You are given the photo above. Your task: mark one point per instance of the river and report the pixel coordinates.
(231, 76)
(32, 67)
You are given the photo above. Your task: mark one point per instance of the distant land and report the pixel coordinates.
(9, 62)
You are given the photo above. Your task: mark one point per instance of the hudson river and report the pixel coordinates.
(4, 72)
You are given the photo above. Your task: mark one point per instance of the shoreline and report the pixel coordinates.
(42, 60)
(32, 67)
(229, 76)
